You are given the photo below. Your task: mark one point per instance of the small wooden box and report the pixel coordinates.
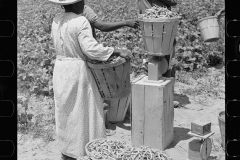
(152, 113)
(201, 127)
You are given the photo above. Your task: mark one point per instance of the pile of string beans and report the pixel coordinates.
(158, 12)
(145, 153)
(105, 149)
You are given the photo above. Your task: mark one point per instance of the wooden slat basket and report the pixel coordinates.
(158, 35)
(113, 80)
(118, 109)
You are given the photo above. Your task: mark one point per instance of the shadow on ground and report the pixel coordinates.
(180, 134)
(182, 99)
(219, 66)
(113, 126)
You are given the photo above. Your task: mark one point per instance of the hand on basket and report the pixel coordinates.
(133, 24)
(125, 54)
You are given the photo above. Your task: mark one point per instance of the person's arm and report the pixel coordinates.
(106, 26)
(169, 2)
(92, 49)
(111, 26)
(220, 13)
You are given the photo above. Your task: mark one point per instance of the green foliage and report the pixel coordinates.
(36, 116)
(36, 54)
(191, 52)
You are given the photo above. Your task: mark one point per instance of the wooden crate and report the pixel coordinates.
(152, 113)
(158, 35)
(201, 127)
(118, 108)
(113, 80)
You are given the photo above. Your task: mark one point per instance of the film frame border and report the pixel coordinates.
(232, 54)
(8, 50)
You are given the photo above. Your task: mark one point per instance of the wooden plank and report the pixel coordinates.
(111, 80)
(157, 37)
(121, 109)
(165, 115)
(97, 82)
(137, 114)
(128, 106)
(157, 29)
(127, 80)
(148, 30)
(126, 77)
(112, 113)
(143, 34)
(119, 72)
(174, 32)
(168, 114)
(153, 127)
(166, 37)
(102, 82)
(148, 43)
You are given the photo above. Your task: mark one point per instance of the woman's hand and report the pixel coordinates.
(124, 53)
(220, 13)
(133, 23)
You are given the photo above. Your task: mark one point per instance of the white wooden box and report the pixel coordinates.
(152, 113)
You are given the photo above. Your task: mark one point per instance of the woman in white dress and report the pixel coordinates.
(78, 104)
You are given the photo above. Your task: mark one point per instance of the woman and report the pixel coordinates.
(78, 104)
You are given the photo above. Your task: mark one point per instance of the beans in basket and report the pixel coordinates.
(158, 12)
(111, 60)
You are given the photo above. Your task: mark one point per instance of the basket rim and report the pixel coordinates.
(209, 17)
(103, 66)
(123, 95)
(159, 19)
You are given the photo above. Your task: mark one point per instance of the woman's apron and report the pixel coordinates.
(78, 106)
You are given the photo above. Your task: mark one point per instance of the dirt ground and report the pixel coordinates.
(29, 149)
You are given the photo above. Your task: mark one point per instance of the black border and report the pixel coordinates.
(232, 53)
(8, 51)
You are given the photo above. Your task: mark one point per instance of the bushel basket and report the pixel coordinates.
(158, 35)
(113, 80)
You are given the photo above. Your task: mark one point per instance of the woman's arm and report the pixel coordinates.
(111, 26)
(169, 2)
(94, 50)
(106, 26)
